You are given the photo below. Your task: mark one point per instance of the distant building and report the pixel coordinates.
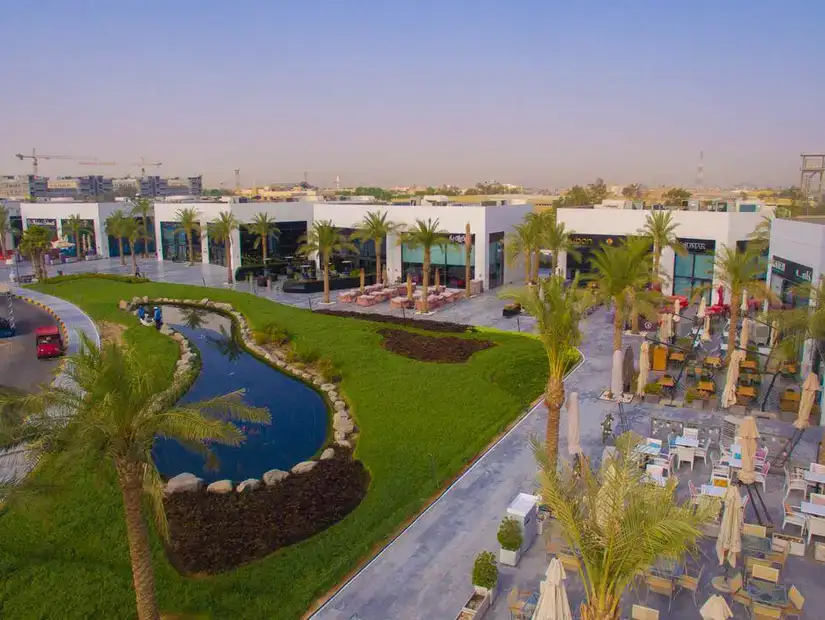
(284, 192)
(77, 187)
(18, 187)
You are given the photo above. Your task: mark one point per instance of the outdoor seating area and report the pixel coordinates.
(407, 296)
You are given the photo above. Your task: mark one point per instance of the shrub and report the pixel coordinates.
(653, 388)
(485, 570)
(96, 276)
(691, 394)
(328, 370)
(271, 333)
(509, 534)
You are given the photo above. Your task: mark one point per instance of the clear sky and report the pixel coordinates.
(537, 92)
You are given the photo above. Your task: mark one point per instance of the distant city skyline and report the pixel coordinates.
(543, 95)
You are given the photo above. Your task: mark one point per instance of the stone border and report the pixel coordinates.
(344, 429)
(64, 331)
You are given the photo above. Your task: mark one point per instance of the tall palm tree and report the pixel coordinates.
(189, 223)
(78, 227)
(740, 271)
(803, 324)
(115, 226)
(660, 227)
(425, 235)
(115, 414)
(520, 244)
(556, 237)
(132, 230)
(618, 523)
(223, 228)
(5, 229)
(263, 227)
(34, 243)
(760, 238)
(375, 227)
(537, 224)
(324, 239)
(143, 208)
(558, 309)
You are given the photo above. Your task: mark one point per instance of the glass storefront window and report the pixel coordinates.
(174, 243)
(450, 263)
(495, 259)
(217, 251)
(691, 273)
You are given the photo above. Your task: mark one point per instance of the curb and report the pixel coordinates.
(64, 332)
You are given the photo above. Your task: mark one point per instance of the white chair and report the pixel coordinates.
(690, 432)
(761, 476)
(795, 481)
(702, 451)
(656, 471)
(685, 455)
(794, 516)
(816, 527)
(720, 471)
(663, 462)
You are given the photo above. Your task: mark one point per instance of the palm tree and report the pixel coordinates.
(556, 237)
(802, 324)
(131, 230)
(740, 271)
(34, 243)
(558, 309)
(538, 223)
(660, 227)
(189, 223)
(5, 229)
(115, 225)
(760, 238)
(143, 208)
(263, 227)
(115, 414)
(223, 228)
(520, 244)
(425, 235)
(618, 523)
(324, 239)
(78, 227)
(375, 227)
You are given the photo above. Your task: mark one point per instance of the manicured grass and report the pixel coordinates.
(66, 556)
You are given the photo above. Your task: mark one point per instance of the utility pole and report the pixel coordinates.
(237, 179)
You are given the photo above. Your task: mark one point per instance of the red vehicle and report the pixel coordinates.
(48, 341)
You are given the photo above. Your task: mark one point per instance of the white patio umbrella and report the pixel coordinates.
(553, 603)
(806, 401)
(715, 608)
(729, 393)
(62, 244)
(644, 369)
(677, 306)
(745, 333)
(774, 333)
(744, 306)
(729, 543)
(573, 439)
(616, 376)
(666, 328)
(703, 308)
(748, 434)
(706, 329)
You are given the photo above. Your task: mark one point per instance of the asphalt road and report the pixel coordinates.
(19, 366)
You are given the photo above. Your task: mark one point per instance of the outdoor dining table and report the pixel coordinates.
(667, 569)
(746, 391)
(706, 386)
(750, 365)
(648, 450)
(713, 491)
(687, 442)
(810, 508)
(714, 361)
(816, 477)
(756, 545)
(767, 592)
(677, 356)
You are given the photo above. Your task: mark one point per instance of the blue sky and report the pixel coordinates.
(394, 92)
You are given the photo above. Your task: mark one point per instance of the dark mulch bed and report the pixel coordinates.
(211, 533)
(444, 349)
(433, 326)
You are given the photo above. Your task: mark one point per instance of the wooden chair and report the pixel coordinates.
(689, 582)
(765, 612)
(640, 612)
(795, 603)
(738, 593)
(751, 529)
(660, 585)
(516, 602)
(779, 555)
(765, 573)
(751, 563)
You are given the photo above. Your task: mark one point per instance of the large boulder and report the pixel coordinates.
(184, 482)
(340, 405)
(221, 486)
(327, 454)
(123, 304)
(343, 443)
(304, 467)
(274, 476)
(327, 387)
(250, 484)
(343, 425)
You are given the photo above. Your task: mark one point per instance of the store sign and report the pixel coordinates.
(41, 222)
(461, 239)
(791, 271)
(698, 246)
(596, 240)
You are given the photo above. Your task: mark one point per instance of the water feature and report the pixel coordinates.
(299, 414)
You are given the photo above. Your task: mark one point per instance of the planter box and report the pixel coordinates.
(797, 544)
(653, 398)
(698, 404)
(477, 605)
(509, 558)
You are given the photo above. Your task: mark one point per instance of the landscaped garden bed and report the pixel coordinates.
(444, 349)
(214, 532)
(431, 326)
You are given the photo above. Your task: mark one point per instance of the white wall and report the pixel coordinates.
(97, 212)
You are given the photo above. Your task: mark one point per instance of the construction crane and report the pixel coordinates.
(142, 163)
(36, 158)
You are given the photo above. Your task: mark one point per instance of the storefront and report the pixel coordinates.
(47, 223)
(450, 260)
(495, 259)
(786, 275)
(585, 245)
(280, 245)
(86, 243)
(694, 270)
(173, 243)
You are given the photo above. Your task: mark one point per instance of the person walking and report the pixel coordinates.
(158, 318)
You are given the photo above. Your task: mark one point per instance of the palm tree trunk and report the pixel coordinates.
(326, 277)
(425, 302)
(377, 243)
(657, 257)
(227, 248)
(264, 241)
(634, 314)
(143, 573)
(145, 237)
(553, 399)
(536, 266)
(120, 250)
(618, 326)
(191, 248)
(134, 263)
(734, 317)
(595, 612)
(527, 268)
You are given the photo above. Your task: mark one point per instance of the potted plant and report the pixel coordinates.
(694, 398)
(510, 539)
(485, 580)
(511, 309)
(653, 392)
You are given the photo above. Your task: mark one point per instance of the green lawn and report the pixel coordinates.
(66, 555)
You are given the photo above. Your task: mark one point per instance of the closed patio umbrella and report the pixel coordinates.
(644, 369)
(553, 603)
(386, 279)
(409, 288)
(616, 376)
(745, 333)
(706, 329)
(703, 308)
(744, 306)
(628, 370)
(573, 438)
(437, 277)
(720, 301)
(748, 434)
(806, 401)
(666, 328)
(715, 608)
(729, 543)
(729, 393)
(677, 306)
(774, 333)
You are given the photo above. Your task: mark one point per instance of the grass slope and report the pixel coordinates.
(69, 553)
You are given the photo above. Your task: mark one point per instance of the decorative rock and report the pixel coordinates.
(179, 337)
(341, 415)
(164, 329)
(339, 405)
(333, 396)
(145, 299)
(327, 454)
(184, 482)
(187, 357)
(280, 363)
(122, 304)
(304, 467)
(328, 387)
(274, 476)
(205, 301)
(250, 484)
(343, 425)
(339, 436)
(344, 444)
(317, 380)
(221, 486)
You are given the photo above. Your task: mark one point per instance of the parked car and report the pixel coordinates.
(48, 342)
